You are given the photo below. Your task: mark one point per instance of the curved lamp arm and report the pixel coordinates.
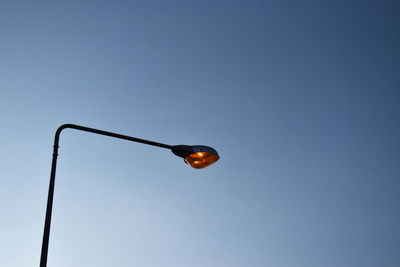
(197, 156)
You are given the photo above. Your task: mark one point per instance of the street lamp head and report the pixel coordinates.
(196, 156)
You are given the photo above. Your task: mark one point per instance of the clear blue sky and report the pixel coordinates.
(300, 98)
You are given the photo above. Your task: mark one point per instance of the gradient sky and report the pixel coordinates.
(300, 98)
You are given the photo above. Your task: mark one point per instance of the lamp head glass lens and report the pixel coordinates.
(199, 160)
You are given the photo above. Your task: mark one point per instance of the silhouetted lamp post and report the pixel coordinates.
(196, 156)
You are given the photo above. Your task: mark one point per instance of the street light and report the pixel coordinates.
(196, 156)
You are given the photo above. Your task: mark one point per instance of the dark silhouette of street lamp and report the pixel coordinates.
(196, 156)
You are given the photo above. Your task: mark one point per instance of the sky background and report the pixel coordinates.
(300, 99)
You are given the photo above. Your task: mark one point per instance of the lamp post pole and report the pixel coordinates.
(196, 156)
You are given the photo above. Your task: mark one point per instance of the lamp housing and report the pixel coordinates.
(197, 156)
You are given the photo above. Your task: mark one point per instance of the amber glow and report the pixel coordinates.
(200, 160)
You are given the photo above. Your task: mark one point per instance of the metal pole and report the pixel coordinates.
(46, 232)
